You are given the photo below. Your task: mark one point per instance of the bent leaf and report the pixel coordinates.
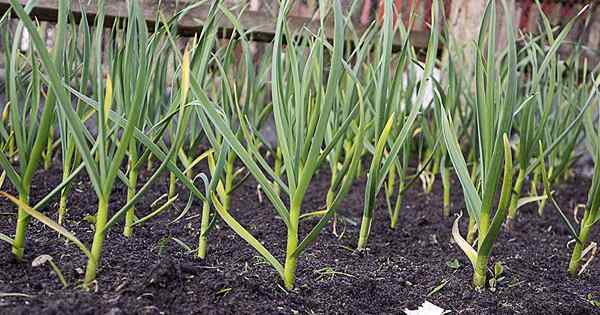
(5, 238)
(526, 200)
(156, 212)
(462, 243)
(243, 233)
(47, 221)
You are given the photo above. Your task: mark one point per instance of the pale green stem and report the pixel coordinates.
(446, 187)
(328, 203)
(62, 205)
(289, 271)
(398, 203)
(479, 274)
(18, 248)
(434, 170)
(97, 243)
(49, 150)
(365, 228)
(226, 198)
(172, 186)
(584, 234)
(514, 201)
(203, 242)
(396, 214)
(150, 163)
(131, 191)
(471, 230)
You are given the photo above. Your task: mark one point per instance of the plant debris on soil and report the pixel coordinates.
(156, 271)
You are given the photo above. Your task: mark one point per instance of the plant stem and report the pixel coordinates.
(534, 182)
(97, 243)
(396, 214)
(131, 191)
(328, 204)
(11, 146)
(398, 203)
(289, 271)
(18, 248)
(389, 193)
(479, 274)
(435, 168)
(71, 156)
(542, 205)
(172, 185)
(471, 230)
(62, 205)
(228, 181)
(446, 185)
(514, 201)
(49, 150)
(365, 227)
(584, 233)
(484, 225)
(203, 242)
(533, 190)
(150, 163)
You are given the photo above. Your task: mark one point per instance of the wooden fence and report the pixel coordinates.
(260, 15)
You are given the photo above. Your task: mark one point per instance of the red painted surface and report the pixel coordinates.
(557, 12)
(403, 9)
(427, 14)
(526, 6)
(566, 12)
(365, 13)
(397, 10)
(411, 6)
(447, 7)
(548, 9)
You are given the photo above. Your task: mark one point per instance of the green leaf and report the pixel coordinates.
(218, 121)
(55, 81)
(498, 270)
(438, 288)
(454, 264)
(472, 198)
(548, 192)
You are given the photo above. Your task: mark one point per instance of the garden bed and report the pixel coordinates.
(151, 273)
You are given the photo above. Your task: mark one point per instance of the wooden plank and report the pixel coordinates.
(261, 24)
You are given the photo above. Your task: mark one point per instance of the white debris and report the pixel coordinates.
(427, 308)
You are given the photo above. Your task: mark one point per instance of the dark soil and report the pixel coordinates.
(151, 273)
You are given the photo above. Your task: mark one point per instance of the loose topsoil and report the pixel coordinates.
(152, 273)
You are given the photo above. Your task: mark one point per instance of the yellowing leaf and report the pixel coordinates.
(462, 243)
(5, 112)
(107, 98)
(185, 75)
(47, 221)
